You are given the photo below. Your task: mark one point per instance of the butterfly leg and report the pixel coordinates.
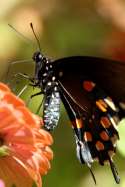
(12, 63)
(32, 80)
(25, 76)
(30, 98)
(22, 91)
(37, 112)
(36, 94)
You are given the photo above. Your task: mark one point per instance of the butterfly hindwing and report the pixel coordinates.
(100, 131)
(99, 126)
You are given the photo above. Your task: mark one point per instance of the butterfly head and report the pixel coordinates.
(37, 57)
(40, 62)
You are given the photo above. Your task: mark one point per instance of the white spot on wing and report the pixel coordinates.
(60, 73)
(113, 122)
(110, 103)
(122, 105)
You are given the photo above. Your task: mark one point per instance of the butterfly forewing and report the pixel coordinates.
(108, 74)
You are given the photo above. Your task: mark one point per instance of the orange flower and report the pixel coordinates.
(24, 146)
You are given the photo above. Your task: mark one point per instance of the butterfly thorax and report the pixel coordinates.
(44, 74)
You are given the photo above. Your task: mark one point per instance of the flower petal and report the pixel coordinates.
(28, 153)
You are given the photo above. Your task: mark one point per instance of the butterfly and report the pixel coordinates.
(93, 93)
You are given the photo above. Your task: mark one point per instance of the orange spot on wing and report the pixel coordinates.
(78, 123)
(99, 146)
(87, 136)
(105, 122)
(104, 136)
(88, 85)
(101, 105)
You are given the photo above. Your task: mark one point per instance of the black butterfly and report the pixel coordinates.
(93, 93)
(85, 85)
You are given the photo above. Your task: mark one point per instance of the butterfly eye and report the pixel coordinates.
(37, 57)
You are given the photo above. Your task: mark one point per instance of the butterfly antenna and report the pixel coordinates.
(20, 34)
(31, 25)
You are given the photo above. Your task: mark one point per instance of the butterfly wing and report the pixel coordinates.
(91, 83)
(95, 132)
(107, 74)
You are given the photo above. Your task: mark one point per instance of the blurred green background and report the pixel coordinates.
(65, 28)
